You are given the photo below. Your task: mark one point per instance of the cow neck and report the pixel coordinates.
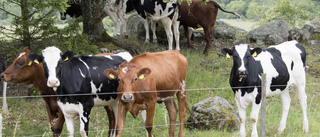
(40, 81)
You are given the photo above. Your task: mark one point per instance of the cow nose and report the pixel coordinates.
(2, 76)
(127, 97)
(53, 83)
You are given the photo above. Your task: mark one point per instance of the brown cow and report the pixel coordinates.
(24, 72)
(151, 72)
(197, 14)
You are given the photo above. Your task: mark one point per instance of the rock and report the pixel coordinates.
(226, 31)
(214, 113)
(272, 33)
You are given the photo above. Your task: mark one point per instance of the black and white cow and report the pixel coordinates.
(283, 64)
(79, 83)
(74, 11)
(158, 11)
(4, 93)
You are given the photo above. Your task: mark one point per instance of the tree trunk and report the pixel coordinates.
(26, 38)
(92, 23)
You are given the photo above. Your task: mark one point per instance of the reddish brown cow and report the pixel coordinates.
(164, 72)
(197, 14)
(24, 72)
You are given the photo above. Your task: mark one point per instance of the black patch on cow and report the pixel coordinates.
(281, 81)
(303, 53)
(2, 68)
(292, 65)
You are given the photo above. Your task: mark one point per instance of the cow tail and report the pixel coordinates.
(218, 6)
(191, 113)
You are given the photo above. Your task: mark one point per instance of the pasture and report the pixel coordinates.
(207, 76)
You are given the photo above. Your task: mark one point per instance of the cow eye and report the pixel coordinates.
(20, 64)
(135, 79)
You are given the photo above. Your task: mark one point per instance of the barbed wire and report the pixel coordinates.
(158, 91)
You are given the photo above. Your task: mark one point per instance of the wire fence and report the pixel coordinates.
(154, 126)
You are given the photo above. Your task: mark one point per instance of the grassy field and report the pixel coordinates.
(207, 77)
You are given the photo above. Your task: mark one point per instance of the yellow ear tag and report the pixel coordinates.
(141, 77)
(111, 76)
(36, 61)
(67, 58)
(227, 56)
(30, 63)
(254, 54)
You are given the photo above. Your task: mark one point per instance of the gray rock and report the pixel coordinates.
(214, 113)
(225, 31)
(272, 33)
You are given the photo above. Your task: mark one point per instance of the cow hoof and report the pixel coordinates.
(155, 41)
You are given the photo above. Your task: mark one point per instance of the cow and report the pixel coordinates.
(114, 9)
(25, 72)
(158, 11)
(283, 64)
(79, 83)
(4, 90)
(74, 11)
(198, 15)
(164, 72)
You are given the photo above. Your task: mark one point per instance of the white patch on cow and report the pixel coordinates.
(93, 87)
(109, 57)
(95, 68)
(84, 63)
(20, 55)
(159, 99)
(125, 55)
(51, 57)
(241, 50)
(100, 102)
(81, 73)
(182, 86)
(124, 70)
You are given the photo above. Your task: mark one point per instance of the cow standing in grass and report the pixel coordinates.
(149, 78)
(80, 83)
(283, 64)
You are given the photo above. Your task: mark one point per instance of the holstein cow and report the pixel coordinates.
(283, 64)
(4, 91)
(74, 11)
(80, 84)
(200, 15)
(164, 72)
(25, 72)
(158, 11)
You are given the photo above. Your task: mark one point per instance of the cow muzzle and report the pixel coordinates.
(53, 83)
(242, 74)
(127, 97)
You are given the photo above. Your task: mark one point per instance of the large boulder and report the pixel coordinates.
(214, 113)
(272, 33)
(225, 31)
(301, 34)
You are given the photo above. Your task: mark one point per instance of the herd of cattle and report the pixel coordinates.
(123, 83)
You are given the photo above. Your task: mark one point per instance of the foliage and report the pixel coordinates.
(239, 7)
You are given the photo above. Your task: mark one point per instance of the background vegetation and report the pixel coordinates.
(207, 74)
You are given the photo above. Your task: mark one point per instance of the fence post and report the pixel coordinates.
(263, 105)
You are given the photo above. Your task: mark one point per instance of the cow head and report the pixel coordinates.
(22, 70)
(128, 76)
(242, 55)
(53, 61)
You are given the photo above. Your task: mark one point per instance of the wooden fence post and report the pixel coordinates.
(263, 105)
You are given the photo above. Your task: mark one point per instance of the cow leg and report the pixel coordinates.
(58, 125)
(146, 27)
(111, 119)
(143, 114)
(176, 32)
(167, 23)
(69, 124)
(303, 103)
(285, 101)
(150, 115)
(113, 127)
(153, 29)
(120, 118)
(242, 115)
(254, 118)
(84, 121)
(182, 107)
(186, 33)
(208, 39)
(172, 110)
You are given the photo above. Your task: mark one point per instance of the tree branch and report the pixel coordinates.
(8, 12)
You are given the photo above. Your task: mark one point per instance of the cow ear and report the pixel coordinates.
(143, 73)
(67, 56)
(227, 52)
(255, 52)
(111, 74)
(35, 58)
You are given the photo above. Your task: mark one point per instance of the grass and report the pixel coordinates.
(208, 76)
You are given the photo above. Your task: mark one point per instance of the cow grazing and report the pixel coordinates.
(4, 90)
(283, 64)
(198, 15)
(114, 9)
(74, 11)
(164, 72)
(23, 71)
(79, 83)
(158, 11)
